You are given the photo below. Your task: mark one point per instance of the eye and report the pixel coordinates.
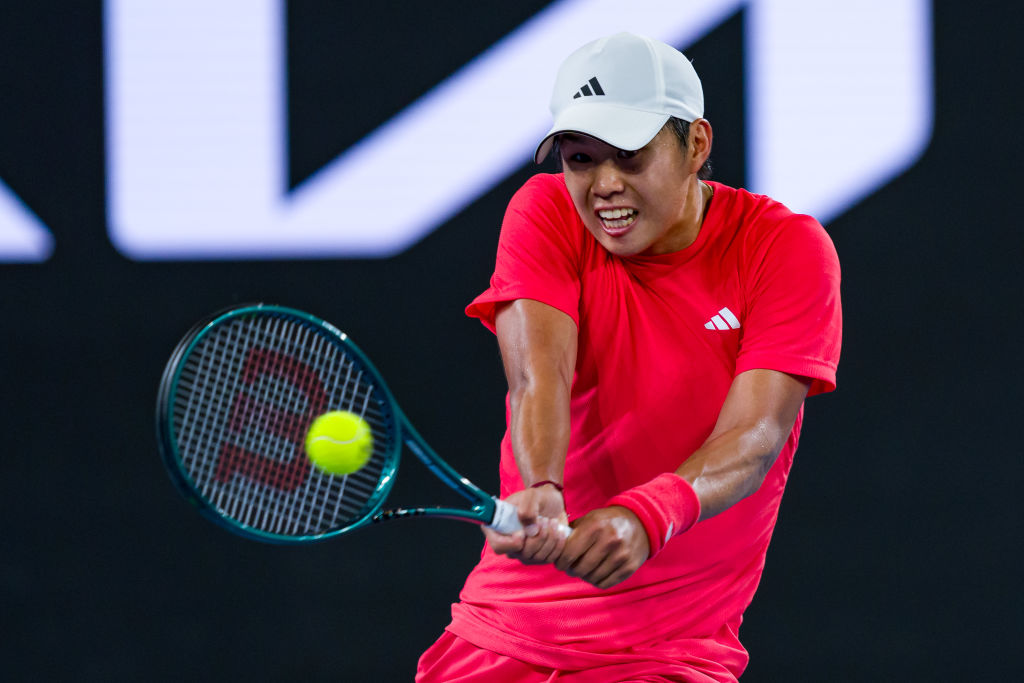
(577, 158)
(628, 154)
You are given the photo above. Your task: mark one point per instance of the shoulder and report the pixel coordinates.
(544, 191)
(542, 210)
(756, 212)
(766, 225)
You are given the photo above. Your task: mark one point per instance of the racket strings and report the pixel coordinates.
(245, 397)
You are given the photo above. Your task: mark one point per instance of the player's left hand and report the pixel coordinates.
(606, 546)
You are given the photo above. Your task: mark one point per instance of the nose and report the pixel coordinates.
(607, 179)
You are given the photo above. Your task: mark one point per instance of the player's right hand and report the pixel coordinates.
(608, 545)
(542, 514)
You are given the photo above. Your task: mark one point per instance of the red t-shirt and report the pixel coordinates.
(660, 340)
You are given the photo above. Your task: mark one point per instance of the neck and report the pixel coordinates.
(698, 200)
(706, 193)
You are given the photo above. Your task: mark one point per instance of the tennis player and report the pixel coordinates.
(659, 333)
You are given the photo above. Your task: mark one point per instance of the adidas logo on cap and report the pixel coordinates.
(589, 89)
(642, 82)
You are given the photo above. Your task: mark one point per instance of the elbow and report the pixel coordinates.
(517, 390)
(764, 443)
(530, 384)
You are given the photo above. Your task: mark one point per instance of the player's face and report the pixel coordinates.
(643, 202)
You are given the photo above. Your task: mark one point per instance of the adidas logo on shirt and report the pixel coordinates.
(589, 89)
(724, 320)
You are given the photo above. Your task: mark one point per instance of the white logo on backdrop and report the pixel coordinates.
(23, 237)
(197, 141)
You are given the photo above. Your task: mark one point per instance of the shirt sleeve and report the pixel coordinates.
(794, 315)
(539, 252)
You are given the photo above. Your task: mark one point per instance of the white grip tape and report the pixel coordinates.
(506, 519)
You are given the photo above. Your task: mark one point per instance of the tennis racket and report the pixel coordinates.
(235, 401)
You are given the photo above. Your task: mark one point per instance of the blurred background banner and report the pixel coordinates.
(161, 160)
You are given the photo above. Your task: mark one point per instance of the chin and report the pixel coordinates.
(618, 246)
(621, 250)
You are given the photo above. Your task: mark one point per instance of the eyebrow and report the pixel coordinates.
(570, 138)
(583, 138)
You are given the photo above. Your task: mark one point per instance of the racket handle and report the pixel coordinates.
(506, 519)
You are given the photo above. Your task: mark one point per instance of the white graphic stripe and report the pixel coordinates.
(810, 82)
(197, 138)
(23, 237)
(197, 142)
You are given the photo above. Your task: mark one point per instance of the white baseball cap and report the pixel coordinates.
(621, 90)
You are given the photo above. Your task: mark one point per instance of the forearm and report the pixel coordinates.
(732, 465)
(538, 349)
(756, 419)
(611, 543)
(539, 429)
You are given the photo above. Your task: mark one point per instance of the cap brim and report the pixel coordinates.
(623, 128)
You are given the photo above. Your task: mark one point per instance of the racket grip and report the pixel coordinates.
(506, 519)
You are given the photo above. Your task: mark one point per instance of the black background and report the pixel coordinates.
(895, 557)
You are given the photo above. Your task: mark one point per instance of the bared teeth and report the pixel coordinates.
(616, 219)
(614, 214)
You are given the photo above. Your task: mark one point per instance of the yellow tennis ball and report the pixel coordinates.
(339, 442)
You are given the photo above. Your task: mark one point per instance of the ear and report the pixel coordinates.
(699, 147)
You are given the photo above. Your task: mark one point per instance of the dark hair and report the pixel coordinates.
(678, 126)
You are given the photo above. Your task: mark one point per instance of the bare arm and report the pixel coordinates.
(538, 349)
(756, 419)
(609, 544)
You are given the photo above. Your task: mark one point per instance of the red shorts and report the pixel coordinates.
(454, 659)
